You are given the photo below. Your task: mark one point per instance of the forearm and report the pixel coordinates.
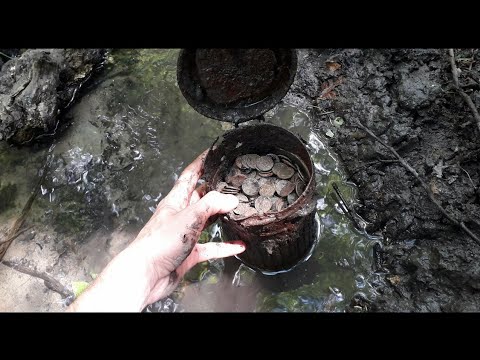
(123, 285)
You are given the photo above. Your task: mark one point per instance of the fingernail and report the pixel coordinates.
(237, 243)
(231, 201)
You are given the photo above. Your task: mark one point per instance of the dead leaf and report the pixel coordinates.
(394, 280)
(332, 66)
(327, 89)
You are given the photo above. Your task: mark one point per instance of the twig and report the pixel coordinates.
(323, 113)
(424, 185)
(466, 172)
(464, 95)
(3, 54)
(49, 281)
(347, 209)
(16, 235)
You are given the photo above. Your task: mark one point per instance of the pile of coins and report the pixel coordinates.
(263, 184)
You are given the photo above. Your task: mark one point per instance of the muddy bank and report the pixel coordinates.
(37, 86)
(406, 98)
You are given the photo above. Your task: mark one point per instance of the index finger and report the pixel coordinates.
(179, 197)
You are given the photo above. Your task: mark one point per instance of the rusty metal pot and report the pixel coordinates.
(235, 85)
(275, 241)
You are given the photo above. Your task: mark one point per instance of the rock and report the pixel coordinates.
(37, 86)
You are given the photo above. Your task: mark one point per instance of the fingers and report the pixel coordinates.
(211, 204)
(209, 251)
(217, 250)
(198, 193)
(179, 196)
(196, 216)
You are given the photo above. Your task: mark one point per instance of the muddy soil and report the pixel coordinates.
(406, 97)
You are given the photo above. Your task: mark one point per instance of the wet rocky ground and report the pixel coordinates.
(107, 151)
(407, 98)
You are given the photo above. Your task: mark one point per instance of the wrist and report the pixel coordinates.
(124, 285)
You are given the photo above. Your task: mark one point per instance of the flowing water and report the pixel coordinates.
(130, 137)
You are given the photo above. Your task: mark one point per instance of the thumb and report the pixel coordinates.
(211, 204)
(208, 251)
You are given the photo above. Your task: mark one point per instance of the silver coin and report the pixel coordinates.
(291, 198)
(265, 173)
(284, 187)
(299, 188)
(241, 209)
(262, 204)
(250, 187)
(268, 189)
(239, 162)
(238, 179)
(220, 186)
(283, 171)
(264, 163)
(250, 212)
(280, 205)
(242, 198)
(251, 160)
(274, 157)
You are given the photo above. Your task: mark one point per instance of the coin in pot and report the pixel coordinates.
(283, 171)
(250, 187)
(262, 204)
(284, 187)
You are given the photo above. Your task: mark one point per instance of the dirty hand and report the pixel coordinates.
(151, 267)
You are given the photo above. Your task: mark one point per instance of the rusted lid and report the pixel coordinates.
(235, 85)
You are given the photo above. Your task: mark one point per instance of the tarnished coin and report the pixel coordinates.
(273, 200)
(238, 162)
(237, 180)
(220, 186)
(242, 198)
(299, 187)
(264, 163)
(250, 187)
(252, 174)
(291, 198)
(280, 204)
(231, 190)
(265, 173)
(267, 189)
(233, 172)
(262, 181)
(250, 160)
(283, 171)
(241, 209)
(284, 187)
(250, 212)
(263, 204)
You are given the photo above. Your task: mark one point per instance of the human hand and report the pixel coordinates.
(151, 267)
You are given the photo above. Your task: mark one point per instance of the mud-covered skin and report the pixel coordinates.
(406, 98)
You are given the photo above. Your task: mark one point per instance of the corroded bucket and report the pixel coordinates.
(275, 241)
